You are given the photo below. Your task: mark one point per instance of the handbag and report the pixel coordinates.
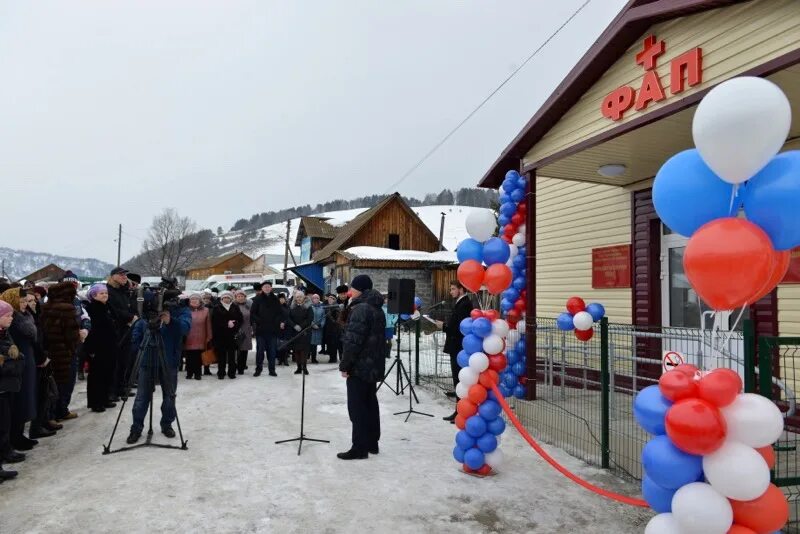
(208, 357)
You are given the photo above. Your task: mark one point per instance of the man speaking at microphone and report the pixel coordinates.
(363, 348)
(462, 308)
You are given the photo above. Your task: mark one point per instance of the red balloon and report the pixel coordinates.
(739, 529)
(461, 422)
(470, 274)
(498, 278)
(520, 305)
(468, 469)
(497, 362)
(728, 261)
(779, 269)
(477, 393)
(676, 386)
(696, 426)
(522, 208)
(688, 369)
(509, 230)
(523, 294)
(476, 314)
(512, 315)
(768, 513)
(584, 335)
(484, 470)
(768, 453)
(506, 238)
(720, 387)
(488, 377)
(575, 305)
(523, 380)
(492, 315)
(517, 219)
(467, 408)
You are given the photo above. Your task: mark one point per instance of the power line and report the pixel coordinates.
(485, 100)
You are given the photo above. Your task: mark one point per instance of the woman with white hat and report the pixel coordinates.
(226, 320)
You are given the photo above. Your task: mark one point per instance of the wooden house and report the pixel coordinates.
(234, 262)
(48, 273)
(313, 234)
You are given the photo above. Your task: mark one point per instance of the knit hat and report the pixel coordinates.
(362, 282)
(12, 297)
(95, 289)
(135, 278)
(342, 289)
(69, 276)
(236, 293)
(224, 294)
(196, 295)
(5, 308)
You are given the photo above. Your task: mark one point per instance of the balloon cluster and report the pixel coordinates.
(478, 412)
(417, 306)
(499, 254)
(580, 317)
(707, 468)
(730, 261)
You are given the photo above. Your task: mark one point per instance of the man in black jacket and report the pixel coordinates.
(363, 366)
(462, 307)
(120, 304)
(266, 315)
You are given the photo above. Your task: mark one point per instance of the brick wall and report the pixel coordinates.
(380, 280)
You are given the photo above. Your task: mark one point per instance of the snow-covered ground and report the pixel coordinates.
(234, 478)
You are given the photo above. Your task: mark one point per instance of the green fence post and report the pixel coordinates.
(749, 356)
(416, 363)
(604, 404)
(764, 368)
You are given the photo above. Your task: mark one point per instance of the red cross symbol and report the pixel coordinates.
(650, 51)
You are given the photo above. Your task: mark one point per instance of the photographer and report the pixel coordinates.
(171, 324)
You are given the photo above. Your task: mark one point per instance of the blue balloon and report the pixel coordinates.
(464, 440)
(465, 326)
(650, 408)
(510, 381)
(474, 459)
(418, 302)
(519, 283)
(469, 249)
(668, 466)
(510, 185)
(518, 369)
(509, 208)
(772, 197)
(503, 220)
(472, 344)
(482, 327)
(517, 195)
(462, 359)
(597, 311)
(659, 499)
(521, 345)
(405, 316)
(564, 321)
(490, 395)
(506, 305)
(511, 294)
(505, 391)
(523, 273)
(512, 175)
(512, 357)
(458, 454)
(502, 199)
(519, 391)
(476, 426)
(687, 194)
(518, 262)
(522, 251)
(489, 410)
(487, 442)
(497, 426)
(523, 182)
(495, 250)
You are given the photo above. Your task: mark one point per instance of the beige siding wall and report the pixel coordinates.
(789, 310)
(734, 39)
(572, 218)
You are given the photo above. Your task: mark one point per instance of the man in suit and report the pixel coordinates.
(462, 307)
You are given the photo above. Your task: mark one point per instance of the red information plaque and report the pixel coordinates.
(611, 267)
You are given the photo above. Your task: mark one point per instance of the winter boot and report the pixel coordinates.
(133, 437)
(299, 370)
(352, 454)
(258, 371)
(168, 431)
(6, 475)
(207, 370)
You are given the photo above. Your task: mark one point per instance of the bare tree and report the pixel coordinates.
(173, 244)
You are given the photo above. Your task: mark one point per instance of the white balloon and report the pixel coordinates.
(521, 326)
(513, 336)
(737, 471)
(478, 362)
(494, 459)
(740, 125)
(462, 390)
(514, 250)
(753, 420)
(662, 524)
(468, 377)
(481, 224)
(700, 509)
(500, 328)
(518, 239)
(583, 320)
(493, 344)
(522, 229)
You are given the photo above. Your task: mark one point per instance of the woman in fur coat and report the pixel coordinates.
(61, 332)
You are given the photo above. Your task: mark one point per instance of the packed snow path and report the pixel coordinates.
(234, 478)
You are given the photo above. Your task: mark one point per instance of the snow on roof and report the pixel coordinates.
(455, 217)
(387, 254)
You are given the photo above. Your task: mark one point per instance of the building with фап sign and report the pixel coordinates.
(592, 150)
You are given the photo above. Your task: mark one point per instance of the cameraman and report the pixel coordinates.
(173, 324)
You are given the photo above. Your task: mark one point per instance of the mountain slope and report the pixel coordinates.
(19, 263)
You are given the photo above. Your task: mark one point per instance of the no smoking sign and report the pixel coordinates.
(671, 360)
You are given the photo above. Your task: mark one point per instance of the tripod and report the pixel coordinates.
(401, 372)
(152, 346)
(302, 436)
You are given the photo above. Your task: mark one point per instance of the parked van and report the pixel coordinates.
(244, 280)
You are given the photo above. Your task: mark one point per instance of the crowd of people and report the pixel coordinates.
(51, 337)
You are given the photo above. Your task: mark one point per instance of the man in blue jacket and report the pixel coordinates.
(174, 325)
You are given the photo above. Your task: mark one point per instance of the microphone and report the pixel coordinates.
(432, 306)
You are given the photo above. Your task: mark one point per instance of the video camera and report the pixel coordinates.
(152, 302)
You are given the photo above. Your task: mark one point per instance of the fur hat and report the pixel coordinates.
(224, 294)
(12, 297)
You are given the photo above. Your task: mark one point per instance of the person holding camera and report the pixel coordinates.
(362, 364)
(226, 320)
(171, 327)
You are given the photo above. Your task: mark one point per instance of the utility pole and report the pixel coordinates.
(286, 250)
(441, 233)
(119, 245)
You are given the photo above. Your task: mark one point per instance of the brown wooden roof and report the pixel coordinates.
(315, 227)
(213, 262)
(634, 19)
(348, 231)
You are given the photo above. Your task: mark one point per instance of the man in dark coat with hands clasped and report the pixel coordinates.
(462, 308)
(362, 365)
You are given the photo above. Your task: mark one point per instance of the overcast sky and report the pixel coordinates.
(112, 110)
